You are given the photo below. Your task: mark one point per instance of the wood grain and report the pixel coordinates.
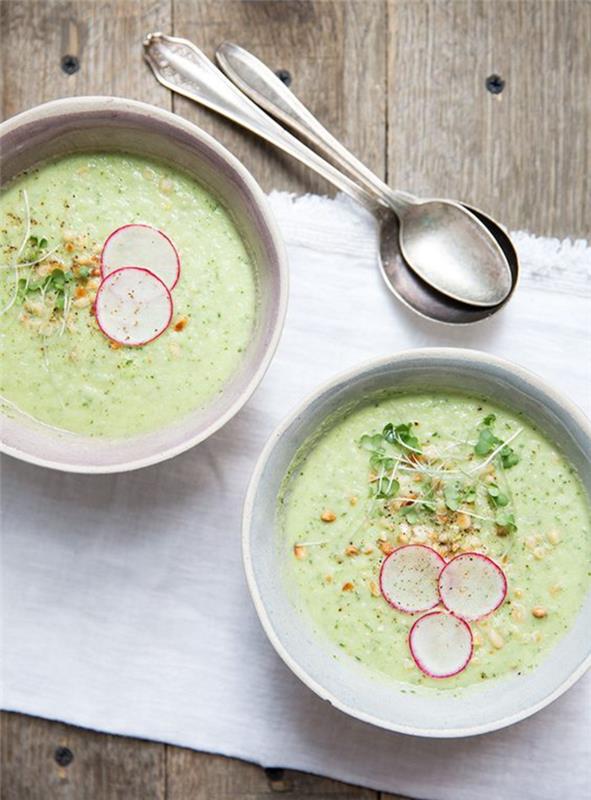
(105, 36)
(204, 777)
(524, 155)
(335, 53)
(35, 755)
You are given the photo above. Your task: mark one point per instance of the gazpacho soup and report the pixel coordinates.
(435, 538)
(127, 295)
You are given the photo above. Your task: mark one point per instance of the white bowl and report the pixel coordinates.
(343, 682)
(115, 124)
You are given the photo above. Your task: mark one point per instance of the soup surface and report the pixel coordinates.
(457, 474)
(57, 366)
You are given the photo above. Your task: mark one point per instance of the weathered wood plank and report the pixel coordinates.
(523, 154)
(44, 760)
(105, 37)
(207, 777)
(335, 53)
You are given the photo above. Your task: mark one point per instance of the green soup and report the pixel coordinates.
(433, 469)
(57, 366)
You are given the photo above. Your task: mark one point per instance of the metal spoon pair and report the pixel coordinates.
(443, 260)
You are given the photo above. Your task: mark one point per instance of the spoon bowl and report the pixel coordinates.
(453, 251)
(421, 298)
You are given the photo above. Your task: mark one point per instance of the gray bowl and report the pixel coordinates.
(115, 124)
(341, 681)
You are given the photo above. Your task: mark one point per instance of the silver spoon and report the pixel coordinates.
(182, 67)
(445, 245)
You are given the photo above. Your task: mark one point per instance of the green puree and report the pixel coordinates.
(58, 367)
(352, 495)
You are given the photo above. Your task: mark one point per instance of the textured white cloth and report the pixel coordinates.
(125, 607)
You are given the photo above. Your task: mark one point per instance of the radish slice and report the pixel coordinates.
(441, 644)
(472, 585)
(408, 578)
(143, 245)
(133, 306)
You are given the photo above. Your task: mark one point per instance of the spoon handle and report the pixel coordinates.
(259, 83)
(179, 65)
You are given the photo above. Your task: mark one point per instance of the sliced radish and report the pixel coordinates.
(133, 306)
(440, 644)
(472, 585)
(145, 246)
(408, 578)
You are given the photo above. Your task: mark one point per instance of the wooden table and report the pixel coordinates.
(484, 100)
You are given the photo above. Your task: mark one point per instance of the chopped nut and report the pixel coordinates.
(80, 292)
(38, 309)
(477, 639)
(299, 551)
(351, 550)
(374, 589)
(553, 537)
(383, 537)
(518, 592)
(517, 613)
(555, 589)
(367, 550)
(530, 542)
(386, 548)
(69, 247)
(417, 478)
(328, 579)
(539, 612)
(165, 185)
(402, 538)
(411, 496)
(86, 261)
(539, 553)
(496, 639)
(463, 520)
(353, 501)
(328, 516)
(81, 302)
(348, 587)
(180, 324)
(115, 345)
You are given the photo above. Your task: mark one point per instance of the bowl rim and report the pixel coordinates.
(477, 358)
(106, 103)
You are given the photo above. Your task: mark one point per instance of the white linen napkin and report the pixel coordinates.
(125, 608)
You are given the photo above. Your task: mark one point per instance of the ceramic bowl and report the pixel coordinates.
(115, 124)
(343, 682)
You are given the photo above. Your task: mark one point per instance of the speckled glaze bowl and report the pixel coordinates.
(115, 124)
(311, 657)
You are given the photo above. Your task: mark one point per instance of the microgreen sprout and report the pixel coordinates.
(19, 252)
(505, 521)
(403, 436)
(496, 497)
(488, 442)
